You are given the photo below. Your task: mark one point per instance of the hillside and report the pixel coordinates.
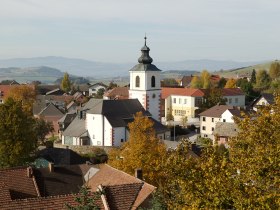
(232, 73)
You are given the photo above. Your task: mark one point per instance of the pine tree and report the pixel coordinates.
(263, 80)
(253, 77)
(274, 70)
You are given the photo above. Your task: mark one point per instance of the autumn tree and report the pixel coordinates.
(262, 79)
(170, 82)
(66, 83)
(212, 97)
(25, 94)
(196, 82)
(255, 154)
(142, 150)
(274, 70)
(42, 128)
(205, 79)
(231, 83)
(198, 183)
(17, 137)
(253, 77)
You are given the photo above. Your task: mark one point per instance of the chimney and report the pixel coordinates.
(139, 173)
(51, 167)
(29, 172)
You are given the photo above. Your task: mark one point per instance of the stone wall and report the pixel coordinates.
(81, 149)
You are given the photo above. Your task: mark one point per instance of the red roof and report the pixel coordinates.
(5, 89)
(166, 91)
(232, 92)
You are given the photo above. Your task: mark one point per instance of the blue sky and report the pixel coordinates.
(113, 30)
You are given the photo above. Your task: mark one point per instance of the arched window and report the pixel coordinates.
(153, 81)
(137, 81)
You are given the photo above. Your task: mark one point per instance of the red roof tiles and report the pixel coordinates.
(165, 92)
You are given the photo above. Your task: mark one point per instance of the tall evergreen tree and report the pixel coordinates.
(253, 77)
(263, 79)
(274, 70)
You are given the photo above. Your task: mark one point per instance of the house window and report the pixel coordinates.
(98, 143)
(212, 129)
(174, 100)
(203, 128)
(153, 81)
(203, 119)
(205, 135)
(212, 119)
(229, 100)
(224, 120)
(236, 100)
(121, 140)
(179, 101)
(93, 136)
(137, 81)
(185, 101)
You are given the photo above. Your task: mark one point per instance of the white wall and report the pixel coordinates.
(95, 127)
(209, 123)
(93, 89)
(108, 133)
(227, 117)
(119, 133)
(238, 100)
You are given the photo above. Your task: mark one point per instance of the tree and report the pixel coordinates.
(170, 82)
(42, 128)
(184, 121)
(222, 82)
(196, 82)
(212, 97)
(274, 70)
(262, 79)
(247, 88)
(205, 79)
(17, 137)
(86, 200)
(198, 183)
(25, 94)
(142, 150)
(100, 93)
(253, 77)
(66, 83)
(255, 155)
(112, 85)
(231, 83)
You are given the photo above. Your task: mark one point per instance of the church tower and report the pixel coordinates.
(145, 83)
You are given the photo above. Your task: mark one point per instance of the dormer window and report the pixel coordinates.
(153, 81)
(137, 81)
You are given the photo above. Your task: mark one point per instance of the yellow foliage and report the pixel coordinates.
(231, 83)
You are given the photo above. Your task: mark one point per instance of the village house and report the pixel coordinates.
(224, 131)
(93, 89)
(117, 93)
(218, 113)
(263, 100)
(54, 186)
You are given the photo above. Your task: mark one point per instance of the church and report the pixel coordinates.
(105, 122)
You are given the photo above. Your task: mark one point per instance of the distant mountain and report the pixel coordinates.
(22, 75)
(83, 67)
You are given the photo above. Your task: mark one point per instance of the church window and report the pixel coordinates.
(153, 81)
(137, 81)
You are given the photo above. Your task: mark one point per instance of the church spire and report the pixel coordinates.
(145, 57)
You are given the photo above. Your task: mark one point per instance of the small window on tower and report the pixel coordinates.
(153, 81)
(137, 82)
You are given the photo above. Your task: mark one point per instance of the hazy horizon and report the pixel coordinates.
(113, 31)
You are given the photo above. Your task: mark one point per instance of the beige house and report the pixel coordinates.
(218, 113)
(264, 99)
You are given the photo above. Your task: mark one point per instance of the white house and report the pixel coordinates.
(93, 89)
(104, 123)
(218, 113)
(264, 99)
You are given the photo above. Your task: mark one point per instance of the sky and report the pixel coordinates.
(113, 30)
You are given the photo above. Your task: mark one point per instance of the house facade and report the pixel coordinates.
(264, 99)
(218, 113)
(93, 89)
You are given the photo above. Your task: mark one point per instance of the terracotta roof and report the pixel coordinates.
(109, 176)
(232, 92)
(217, 111)
(122, 197)
(166, 91)
(186, 80)
(18, 184)
(119, 92)
(4, 90)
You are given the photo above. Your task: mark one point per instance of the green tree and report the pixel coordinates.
(274, 70)
(253, 77)
(196, 82)
(247, 88)
(17, 137)
(100, 93)
(85, 200)
(222, 82)
(66, 83)
(212, 97)
(112, 85)
(170, 82)
(255, 154)
(198, 183)
(142, 150)
(263, 80)
(42, 128)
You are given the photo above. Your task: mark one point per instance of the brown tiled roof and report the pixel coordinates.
(109, 176)
(232, 92)
(226, 129)
(186, 80)
(20, 186)
(166, 91)
(218, 110)
(119, 92)
(63, 180)
(122, 197)
(44, 203)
